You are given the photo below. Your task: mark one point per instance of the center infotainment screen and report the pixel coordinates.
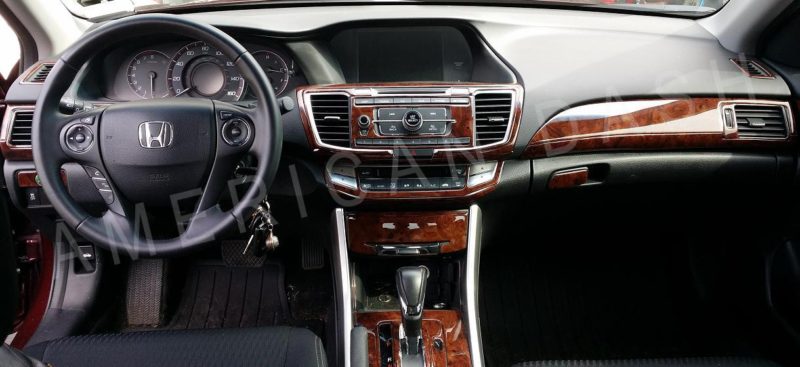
(369, 55)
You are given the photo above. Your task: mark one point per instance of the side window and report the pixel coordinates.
(9, 44)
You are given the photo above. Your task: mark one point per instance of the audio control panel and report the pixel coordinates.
(381, 121)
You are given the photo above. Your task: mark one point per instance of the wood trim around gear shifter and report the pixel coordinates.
(444, 337)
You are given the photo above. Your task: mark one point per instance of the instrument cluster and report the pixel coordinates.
(196, 69)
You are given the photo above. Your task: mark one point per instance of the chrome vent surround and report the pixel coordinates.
(331, 116)
(493, 112)
(39, 74)
(761, 121)
(20, 128)
(752, 68)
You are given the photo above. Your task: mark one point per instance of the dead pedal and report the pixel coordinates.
(313, 254)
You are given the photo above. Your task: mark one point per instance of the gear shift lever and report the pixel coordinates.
(411, 283)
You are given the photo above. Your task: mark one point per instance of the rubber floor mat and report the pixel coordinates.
(580, 299)
(217, 296)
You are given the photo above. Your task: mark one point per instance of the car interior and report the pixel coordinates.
(551, 183)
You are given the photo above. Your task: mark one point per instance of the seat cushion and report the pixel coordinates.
(660, 362)
(270, 346)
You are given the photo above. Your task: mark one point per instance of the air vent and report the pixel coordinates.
(492, 116)
(761, 121)
(752, 68)
(332, 117)
(39, 74)
(21, 128)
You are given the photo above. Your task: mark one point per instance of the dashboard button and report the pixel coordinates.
(391, 128)
(402, 100)
(433, 113)
(460, 100)
(440, 100)
(434, 127)
(391, 113)
(384, 101)
(362, 101)
(420, 100)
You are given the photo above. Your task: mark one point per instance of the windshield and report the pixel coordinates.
(692, 8)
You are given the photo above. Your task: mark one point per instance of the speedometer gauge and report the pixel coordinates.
(276, 69)
(147, 74)
(200, 70)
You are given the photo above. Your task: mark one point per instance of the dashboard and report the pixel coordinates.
(189, 68)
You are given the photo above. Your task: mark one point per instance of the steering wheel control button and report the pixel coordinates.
(108, 196)
(79, 138)
(236, 132)
(93, 172)
(225, 115)
(101, 183)
(88, 120)
(412, 120)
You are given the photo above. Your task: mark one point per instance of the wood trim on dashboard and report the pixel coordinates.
(445, 325)
(693, 123)
(12, 152)
(441, 153)
(366, 229)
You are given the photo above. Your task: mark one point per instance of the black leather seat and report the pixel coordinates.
(272, 346)
(660, 362)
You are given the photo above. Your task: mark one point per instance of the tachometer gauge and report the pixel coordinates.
(200, 70)
(147, 74)
(276, 69)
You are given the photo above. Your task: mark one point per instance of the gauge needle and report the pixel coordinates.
(153, 84)
(271, 70)
(184, 91)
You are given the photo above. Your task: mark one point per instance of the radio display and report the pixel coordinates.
(408, 54)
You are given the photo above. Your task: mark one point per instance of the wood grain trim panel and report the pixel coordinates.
(442, 324)
(466, 195)
(569, 178)
(12, 152)
(441, 154)
(694, 123)
(365, 229)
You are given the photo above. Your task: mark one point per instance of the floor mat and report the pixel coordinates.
(579, 298)
(217, 296)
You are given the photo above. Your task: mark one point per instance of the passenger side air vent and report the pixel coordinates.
(752, 68)
(761, 121)
(492, 116)
(21, 123)
(331, 113)
(39, 74)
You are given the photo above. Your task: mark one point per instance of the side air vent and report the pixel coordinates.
(39, 74)
(752, 68)
(761, 121)
(492, 116)
(21, 123)
(331, 113)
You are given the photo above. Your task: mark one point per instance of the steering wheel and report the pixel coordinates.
(156, 152)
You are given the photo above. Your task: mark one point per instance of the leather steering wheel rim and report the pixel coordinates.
(117, 232)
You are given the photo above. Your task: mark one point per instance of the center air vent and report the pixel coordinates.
(492, 116)
(761, 121)
(21, 123)
(39, 74)
(331, 113)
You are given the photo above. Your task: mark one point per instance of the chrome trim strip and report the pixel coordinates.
(8, 122)
(474, 233)
(342, 280)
